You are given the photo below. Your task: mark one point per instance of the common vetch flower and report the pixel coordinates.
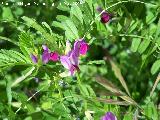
(109, 116)
(71, 60)
(47, 55)
(105, 16)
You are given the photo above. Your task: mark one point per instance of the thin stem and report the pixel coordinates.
(61, 97)
(9, 40)
(124, 35)
(20, 79)
(155, 85)
(29, 99)
(80, 84)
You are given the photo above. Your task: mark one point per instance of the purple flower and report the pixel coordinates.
(71, 60)
(47, 55)
(80, 47)
(105, 16)
(34, 58)
(83, 48)
(109, 116)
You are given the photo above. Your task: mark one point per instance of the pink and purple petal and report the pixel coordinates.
(83, 48)
(109, 116)
(45, 48)
(73, 58)
(34, 58)
(45, 57)
(72, 70)
(66, 62)
(76, 47)
(54, 56)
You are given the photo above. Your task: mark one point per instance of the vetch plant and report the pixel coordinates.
(72, 65)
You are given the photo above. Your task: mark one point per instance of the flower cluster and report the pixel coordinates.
(71, 58)
(46, 56)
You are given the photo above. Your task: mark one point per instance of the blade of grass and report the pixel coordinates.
(113, 102)
(118, 74)
(20, 79)
(155, 85)
(109, 86)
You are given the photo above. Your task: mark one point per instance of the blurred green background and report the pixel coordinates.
(126, 48)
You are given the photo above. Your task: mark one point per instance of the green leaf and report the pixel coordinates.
(84, 90)
(26, 44)
(9, 40)
(135, 44)
(155, 67)
(47, 105)
(151, 111)
(70, 30)
(9, 58)
(61, 18)
(57, 24)
(76, 11)
(32, 23)
(63, 7)
(87, 9)
(90, 6)
(30, 108)
(128, 116)
(143, 46)
(7, 14)
(47, 26)
(150, 17)
(133, 26)
(27, 73)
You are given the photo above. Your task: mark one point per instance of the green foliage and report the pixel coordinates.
(70, 30)
(155, 67)
(32, 23)
(135, 44)
(119, 69)
(26, 44)
(9, 58)
(151, 111)
(7, 14)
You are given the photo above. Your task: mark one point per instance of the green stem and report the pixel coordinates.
(80, 84)
(9, 40)
(61, 97)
